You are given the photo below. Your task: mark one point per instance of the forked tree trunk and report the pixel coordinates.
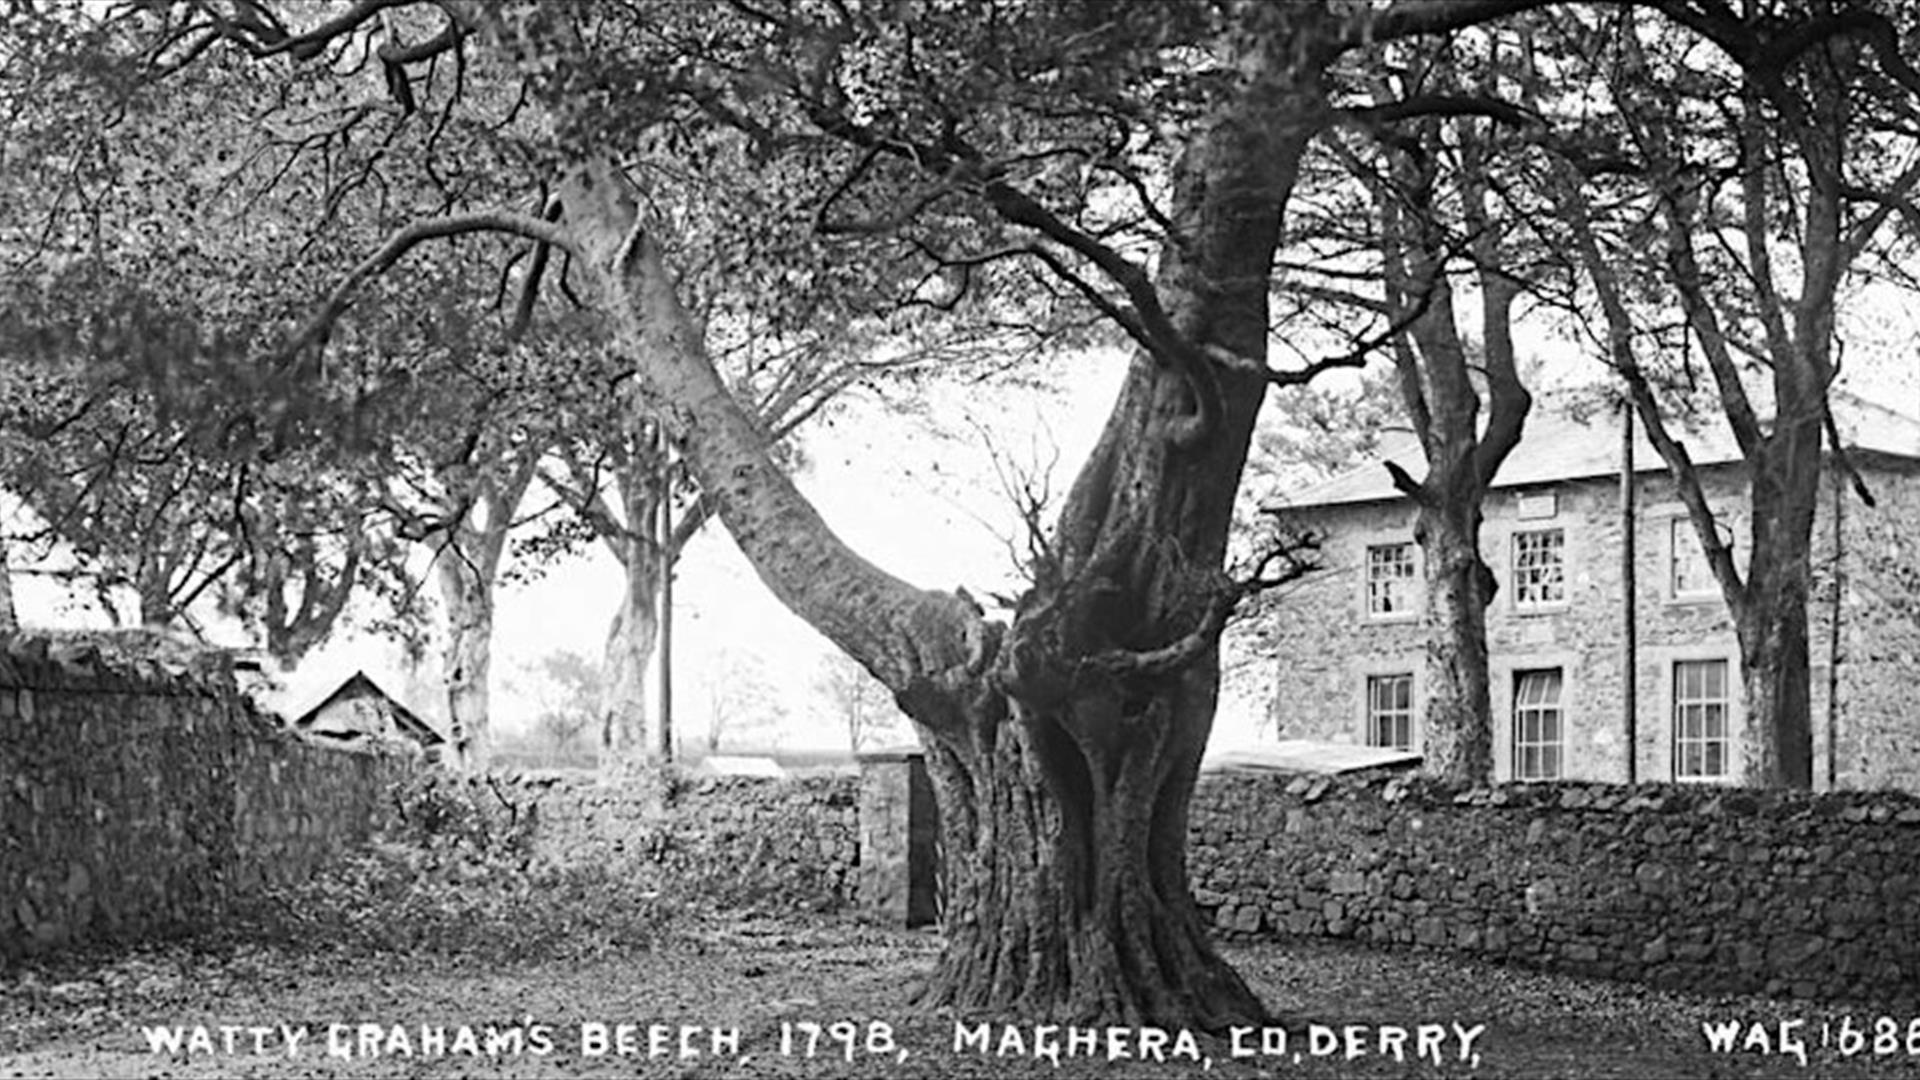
(1065, 747)
(1437, 378)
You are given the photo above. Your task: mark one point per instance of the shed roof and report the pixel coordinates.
(1558, 445)
(359, 684)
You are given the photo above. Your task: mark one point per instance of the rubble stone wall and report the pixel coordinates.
(1694, 887)
(137, 800)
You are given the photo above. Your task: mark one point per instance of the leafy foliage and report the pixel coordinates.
(456, 878)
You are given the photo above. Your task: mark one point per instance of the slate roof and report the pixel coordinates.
(1557, 446)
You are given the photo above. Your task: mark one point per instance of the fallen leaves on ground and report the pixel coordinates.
(84, 1015)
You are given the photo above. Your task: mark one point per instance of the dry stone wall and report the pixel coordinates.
(1688, 887)
(138, 799)
(790, 843)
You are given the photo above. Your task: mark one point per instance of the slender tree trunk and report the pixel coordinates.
(1771, 619)
(1777, 730)
(1436, 374)
(468, 656)
(626, 732)
(156, 602)
(9, 618)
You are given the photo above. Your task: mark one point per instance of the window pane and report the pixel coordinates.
(1537, 724)
(1390, 711)
(1538, 567)
(1700, 706)
(1390, 576)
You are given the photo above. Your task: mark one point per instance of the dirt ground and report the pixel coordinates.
(743, 983)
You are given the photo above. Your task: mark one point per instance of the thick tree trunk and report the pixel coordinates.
(1457, 737)
(467, 657)
(1066, 888)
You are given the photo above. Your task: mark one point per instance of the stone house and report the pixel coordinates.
(1351, 649)
(358, 712)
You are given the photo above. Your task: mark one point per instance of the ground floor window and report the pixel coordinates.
(1390, 711)
(1700, 708)
(1539, 726)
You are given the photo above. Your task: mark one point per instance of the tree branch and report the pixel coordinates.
(1421, 18)
(406, 239)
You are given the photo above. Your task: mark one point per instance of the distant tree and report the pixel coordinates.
(862, 703)
(1318, 432)
(742, 703)
(566, 687)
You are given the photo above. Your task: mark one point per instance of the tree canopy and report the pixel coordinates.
(632, 195)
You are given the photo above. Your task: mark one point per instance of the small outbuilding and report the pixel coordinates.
(359, 712)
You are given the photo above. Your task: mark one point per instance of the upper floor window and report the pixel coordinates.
(1701, 703)
(1689, 576)
(1390, 579)
(1390, 711)
(1539, 568)
(1539, 728)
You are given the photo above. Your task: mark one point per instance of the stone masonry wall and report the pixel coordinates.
(136, 800)
(1689, 887)
(792, 843)
(1877, 744)
(1327, 646)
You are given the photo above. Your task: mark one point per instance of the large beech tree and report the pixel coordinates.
(1139, 157)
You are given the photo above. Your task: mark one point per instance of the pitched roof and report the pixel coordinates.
(360, 685)
(1558, 445)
